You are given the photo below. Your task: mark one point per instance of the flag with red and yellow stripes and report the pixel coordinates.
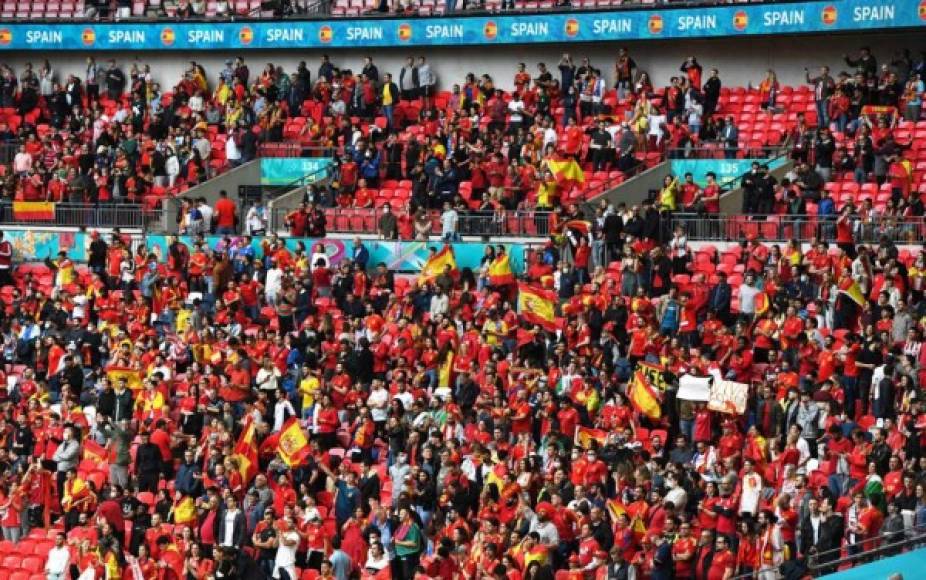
(538, 306)
(33, 210)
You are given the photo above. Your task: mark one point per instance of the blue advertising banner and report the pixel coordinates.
(287, 170)
(706, 22)
(398, 256)
(726, 170)
(36, 245)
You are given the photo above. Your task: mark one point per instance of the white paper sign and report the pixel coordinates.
(691, 388)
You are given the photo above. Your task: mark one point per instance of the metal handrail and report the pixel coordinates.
(785, 227)
(813, 563)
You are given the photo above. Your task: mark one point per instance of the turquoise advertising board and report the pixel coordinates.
(727, 171)
(578, 26)
(288, 170)
(36, 245)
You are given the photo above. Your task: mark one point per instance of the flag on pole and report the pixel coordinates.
(436, 264)
(293, 446)
(852, 290)
(500, 273)
(34, 210)
(246, 451)
(538, 306)
(585, 436)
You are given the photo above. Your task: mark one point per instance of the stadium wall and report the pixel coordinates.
(740, 60)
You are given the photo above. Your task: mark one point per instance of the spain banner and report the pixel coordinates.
(94, 452)
(644, 396)
(133, 377)
(615, 509)
(850, 288)
(34, 210)
(585, 436)
(436, 265)
(246, 451)
(655, 375)
(567, 172)
(500, 273)
(538, 306)
(293, 446)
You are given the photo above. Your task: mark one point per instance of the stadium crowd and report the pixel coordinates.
(239, 409)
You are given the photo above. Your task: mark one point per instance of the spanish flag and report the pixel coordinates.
(615, 509)
(585, 436)
(246, 451)
(132, 376)
(436, 265)
(185, 511)
(293, 446)
(34, 210)
(95, 452)
(762, 303)
(850, 288)
(581, 226)
(500, 273)
(73, 492)
(445, 373)
(644, 397)
(537, 306)
(567, 173)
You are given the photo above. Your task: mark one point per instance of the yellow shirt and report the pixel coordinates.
(668, 196)
(494, 326)
(309, 388)
(387, 96)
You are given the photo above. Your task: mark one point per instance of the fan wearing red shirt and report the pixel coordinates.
(723, 563)
(225, 214)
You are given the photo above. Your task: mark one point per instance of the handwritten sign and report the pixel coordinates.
(728, 397)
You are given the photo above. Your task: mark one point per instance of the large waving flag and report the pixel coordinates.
(94, 452)
(644, 396)
(852, 290)
(537, 306)
(585, 436)
(436, 264)
(567, 172)
(293, 446)
(246, 451)
(132, 377)
(500, 273)
(34, 210)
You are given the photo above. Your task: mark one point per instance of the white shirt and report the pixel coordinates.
(286, 555)
(254, 220)
(267, 380)
(279, 414)
(231, 149)
(748, 299)
(752, 488)
(516, 107)
(59, 560)
(406, 398)
(229, 539)
(378, 403)
(274, 281)
(207, 212)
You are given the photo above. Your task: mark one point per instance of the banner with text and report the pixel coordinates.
(706, 22)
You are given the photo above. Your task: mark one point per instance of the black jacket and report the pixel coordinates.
(239, 534)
